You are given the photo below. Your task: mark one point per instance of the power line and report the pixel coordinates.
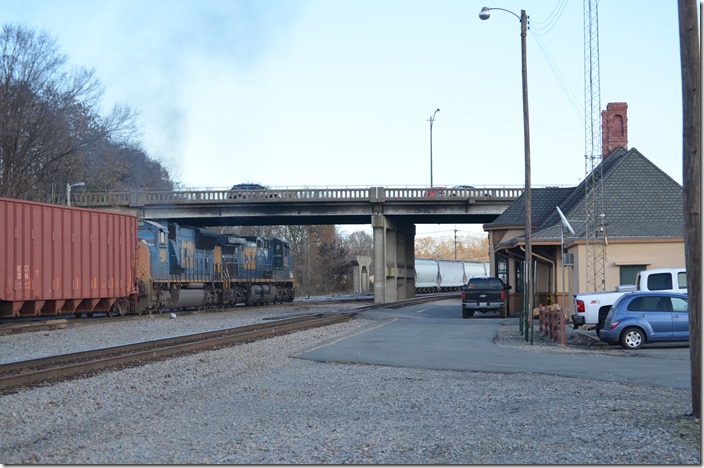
(552, 20)
(566, 90)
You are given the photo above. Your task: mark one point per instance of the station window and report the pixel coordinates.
(627, 273)
(502, 268)
(519, 276)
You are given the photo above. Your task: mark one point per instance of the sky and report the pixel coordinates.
(339, 93)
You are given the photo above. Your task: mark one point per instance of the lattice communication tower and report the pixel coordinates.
(594, 197)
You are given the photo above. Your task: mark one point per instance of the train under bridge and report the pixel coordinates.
(392, 213)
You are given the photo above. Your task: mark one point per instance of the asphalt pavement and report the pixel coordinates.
(434, 336)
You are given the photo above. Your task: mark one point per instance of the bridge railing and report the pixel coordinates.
(444, 192)
(373, 195)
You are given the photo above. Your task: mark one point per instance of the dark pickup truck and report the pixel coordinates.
(485, 294)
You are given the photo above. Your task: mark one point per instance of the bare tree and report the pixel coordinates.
(48, 115)
(124, 166)
(358, 243)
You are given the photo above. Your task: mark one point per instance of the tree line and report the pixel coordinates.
(54, 134)
(52, 130)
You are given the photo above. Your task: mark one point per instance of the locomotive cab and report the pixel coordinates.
(155, 237)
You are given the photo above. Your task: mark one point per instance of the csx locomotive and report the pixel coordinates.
(194, 267)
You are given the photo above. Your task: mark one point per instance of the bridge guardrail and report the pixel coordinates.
(137, 198)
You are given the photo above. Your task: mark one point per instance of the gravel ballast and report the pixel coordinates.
(253, 404)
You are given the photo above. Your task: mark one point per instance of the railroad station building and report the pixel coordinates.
(643, 225)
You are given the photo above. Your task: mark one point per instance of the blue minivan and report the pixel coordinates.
(642, 317)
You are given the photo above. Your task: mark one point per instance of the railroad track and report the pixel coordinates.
(12, 326)
(34, 371)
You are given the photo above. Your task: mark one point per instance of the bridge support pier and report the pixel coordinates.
(360, 273)
(394, 259)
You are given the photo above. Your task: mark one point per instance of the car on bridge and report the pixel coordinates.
(251, 191)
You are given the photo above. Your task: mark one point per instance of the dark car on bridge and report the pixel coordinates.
(252, 191)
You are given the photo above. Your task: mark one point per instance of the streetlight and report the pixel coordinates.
(68, 191)
(484, 15)
(431, 120)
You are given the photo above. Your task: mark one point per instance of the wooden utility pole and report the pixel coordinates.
(692, 178)
(529, 204)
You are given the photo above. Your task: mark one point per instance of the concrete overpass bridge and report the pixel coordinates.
(392, 213)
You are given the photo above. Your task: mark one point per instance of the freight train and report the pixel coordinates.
(56, 260)
(446, 275)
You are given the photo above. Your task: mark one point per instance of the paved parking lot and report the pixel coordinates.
(434, 336)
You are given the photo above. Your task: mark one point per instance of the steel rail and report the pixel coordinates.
(13, 326)
(33, 371)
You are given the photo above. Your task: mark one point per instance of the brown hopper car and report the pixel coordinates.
(61, 260)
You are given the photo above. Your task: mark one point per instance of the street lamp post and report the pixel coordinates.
(431, 120)
(484, 15)
(68, 191)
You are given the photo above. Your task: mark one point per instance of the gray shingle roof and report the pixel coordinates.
(640, 200)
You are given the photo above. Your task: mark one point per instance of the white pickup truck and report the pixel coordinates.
(591, 308)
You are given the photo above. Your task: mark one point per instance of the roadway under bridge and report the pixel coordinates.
(392, 213)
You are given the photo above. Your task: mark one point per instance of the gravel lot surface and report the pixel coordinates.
(253, 404)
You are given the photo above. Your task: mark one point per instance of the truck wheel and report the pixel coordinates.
(503, 312)
(466, 313)
(632, 338)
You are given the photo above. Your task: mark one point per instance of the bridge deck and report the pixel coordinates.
(308, 205)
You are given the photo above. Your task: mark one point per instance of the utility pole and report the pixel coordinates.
(529, 203)
(690, 60)
(527, 316)
(431, 120)
(455, 242)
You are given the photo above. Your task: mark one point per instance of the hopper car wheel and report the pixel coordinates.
(118, 310)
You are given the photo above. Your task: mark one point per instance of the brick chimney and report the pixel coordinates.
(614, 127)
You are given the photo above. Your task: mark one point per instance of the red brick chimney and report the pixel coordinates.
(614, 127)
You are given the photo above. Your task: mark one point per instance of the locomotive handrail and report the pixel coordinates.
(138, 198)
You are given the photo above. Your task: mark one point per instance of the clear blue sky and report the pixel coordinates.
(338, 92)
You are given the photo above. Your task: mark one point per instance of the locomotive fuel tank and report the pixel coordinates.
(188, 297)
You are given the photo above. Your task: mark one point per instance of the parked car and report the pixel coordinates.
(645, 317)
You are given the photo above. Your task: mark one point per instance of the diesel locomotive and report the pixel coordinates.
(181, 267)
